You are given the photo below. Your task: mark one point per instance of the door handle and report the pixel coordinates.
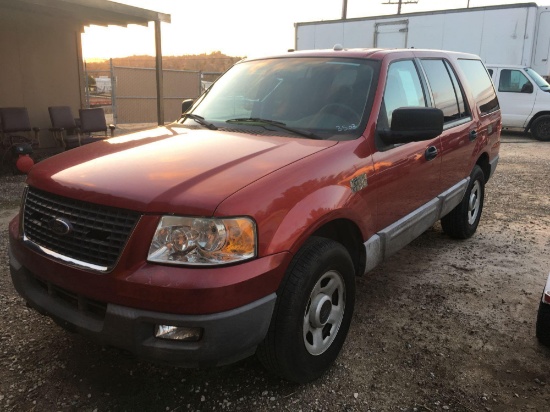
(430, 153)
(472, 135)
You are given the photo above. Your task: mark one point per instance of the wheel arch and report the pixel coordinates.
(347, 233)
(328, 213)
(535, 117)
(483, 163)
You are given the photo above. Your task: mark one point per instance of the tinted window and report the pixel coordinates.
(514, 81)
(462, 105)
(446, 93)
(403, 89)
(481, 85)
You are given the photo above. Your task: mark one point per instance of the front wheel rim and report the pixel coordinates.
(324, 312)
(474, 202)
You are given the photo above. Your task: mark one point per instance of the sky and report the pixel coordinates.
(239, 27)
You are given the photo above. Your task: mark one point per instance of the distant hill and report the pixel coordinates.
(213, 62)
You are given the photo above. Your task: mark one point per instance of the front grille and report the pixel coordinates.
(97, 233)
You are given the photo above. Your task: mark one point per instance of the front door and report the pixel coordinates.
(516, 95)
(406, 176)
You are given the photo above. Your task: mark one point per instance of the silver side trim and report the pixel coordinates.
(493, 164)
(452, 197)
(393, 238)
(375, 253)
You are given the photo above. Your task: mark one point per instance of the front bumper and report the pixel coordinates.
(170, 289)
(227, 336)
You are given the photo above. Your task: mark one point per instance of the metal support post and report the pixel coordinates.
(113, 92)
(160, 91)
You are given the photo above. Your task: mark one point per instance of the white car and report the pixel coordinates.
(524, 98)
(543, 317)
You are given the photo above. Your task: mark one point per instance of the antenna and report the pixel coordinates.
(400, 2)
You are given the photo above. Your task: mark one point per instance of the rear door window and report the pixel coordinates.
(446, 91)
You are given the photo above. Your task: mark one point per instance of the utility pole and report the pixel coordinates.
(344, 9)
(400, 2)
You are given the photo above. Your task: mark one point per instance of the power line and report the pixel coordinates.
(400, 2)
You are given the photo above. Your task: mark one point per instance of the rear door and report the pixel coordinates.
(542, 43)
(459, 129)
(483, 106)
(391, 35)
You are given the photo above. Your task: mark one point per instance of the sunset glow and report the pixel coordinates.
(238, 27)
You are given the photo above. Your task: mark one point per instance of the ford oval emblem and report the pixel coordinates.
(60, 226)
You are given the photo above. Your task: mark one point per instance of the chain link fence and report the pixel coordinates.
(128, 94)
(99, 91)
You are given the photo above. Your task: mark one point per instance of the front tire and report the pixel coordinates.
(541, 128)
(312, 314)
(462, 221)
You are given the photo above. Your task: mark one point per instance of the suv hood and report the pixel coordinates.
(168, 169)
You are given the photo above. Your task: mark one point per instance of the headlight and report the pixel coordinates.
(203, 241)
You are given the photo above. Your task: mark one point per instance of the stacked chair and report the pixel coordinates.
(64, 127)
(72, 132)
(18, 139)
(93, 121)
(15, 127)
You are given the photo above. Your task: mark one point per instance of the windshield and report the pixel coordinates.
(298, 96)
(537, 78)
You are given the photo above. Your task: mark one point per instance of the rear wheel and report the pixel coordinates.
(543, 324)
(541, 128)
(462, 221)
(313, 312)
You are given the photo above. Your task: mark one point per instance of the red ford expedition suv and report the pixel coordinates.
(240, 228)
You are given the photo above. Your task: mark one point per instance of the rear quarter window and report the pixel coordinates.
(480, 84)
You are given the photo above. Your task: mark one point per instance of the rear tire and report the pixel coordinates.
(543, 324)
(312, 314)
(540, 129)
(462, 221)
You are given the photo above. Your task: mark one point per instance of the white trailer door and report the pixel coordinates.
(391, 35)
(542, 45)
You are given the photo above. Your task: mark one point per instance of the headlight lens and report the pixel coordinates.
(203, 241)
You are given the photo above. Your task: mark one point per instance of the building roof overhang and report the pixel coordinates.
(88, 12)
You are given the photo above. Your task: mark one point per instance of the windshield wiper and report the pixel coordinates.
(200, 120)
(275, 123)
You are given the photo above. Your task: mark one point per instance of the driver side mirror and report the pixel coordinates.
(527, 88)
(413, 124)
(186, 105)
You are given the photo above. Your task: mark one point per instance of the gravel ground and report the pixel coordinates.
(441, 326)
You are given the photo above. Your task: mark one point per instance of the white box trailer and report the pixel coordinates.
(516, 34)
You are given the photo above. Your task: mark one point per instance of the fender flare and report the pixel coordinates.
(311, 213)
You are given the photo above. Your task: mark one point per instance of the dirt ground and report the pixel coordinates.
(443, 325)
